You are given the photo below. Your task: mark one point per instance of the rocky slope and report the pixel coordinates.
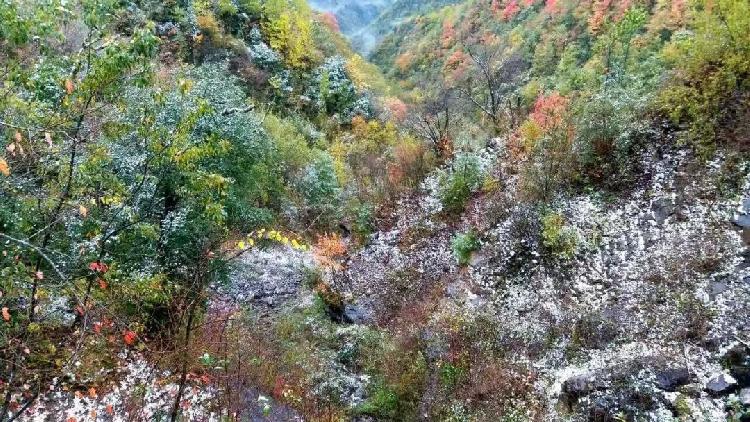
(640, 322)
(649, 318)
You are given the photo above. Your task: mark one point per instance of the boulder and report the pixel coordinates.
(576, 387)
(669, 379)
(737, 360)
(744, 396)
(721, 384)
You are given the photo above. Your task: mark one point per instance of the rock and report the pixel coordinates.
(737, 360)
(662, 208)
(742, 220)
(721, 384)
(576, 387)
(715, 288)
(357, 314)
(670, 379)
(744, 396)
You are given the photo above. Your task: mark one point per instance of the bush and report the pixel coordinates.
(457, 186)
(712, 65)
(320, 190)
(463, 245)
(560, 240)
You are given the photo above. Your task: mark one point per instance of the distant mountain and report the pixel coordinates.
(355, 18)
(367, 22)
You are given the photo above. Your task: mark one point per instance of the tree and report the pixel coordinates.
(434, 120)
(490, 87)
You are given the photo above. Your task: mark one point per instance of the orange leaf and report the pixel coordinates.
(69, 86)
(102, 284)
(4, 169)
(72, 419)
(129, 337)
(6, 314)
(92, 392)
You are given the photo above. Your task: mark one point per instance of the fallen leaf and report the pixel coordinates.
(11, 148)
(102, 284)
(48, 138)
(18, 136)
(4, 169)
(39, 275)
(97, 327)
(92, 393)
(6, 314)
(110, 410)
(83, 211)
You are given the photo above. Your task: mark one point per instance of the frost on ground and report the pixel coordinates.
(143, 392)
(637, 321)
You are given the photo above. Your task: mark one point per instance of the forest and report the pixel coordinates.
(464, 210)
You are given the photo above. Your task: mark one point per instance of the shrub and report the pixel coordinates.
(463, 245)
(557, 238)
(363, 221)
(320, 190)
(712, 65)
(457, 185)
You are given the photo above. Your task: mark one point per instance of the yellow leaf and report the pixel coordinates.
(241, 244)
(4, 169)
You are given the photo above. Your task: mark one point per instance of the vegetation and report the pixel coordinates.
(463, 245)
(147, 145)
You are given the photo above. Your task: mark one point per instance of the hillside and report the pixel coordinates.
(387, 210)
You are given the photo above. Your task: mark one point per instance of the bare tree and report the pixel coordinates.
(491, 86)
(434, 120)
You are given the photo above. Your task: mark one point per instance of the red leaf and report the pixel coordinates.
(98, 267)
(102, 284)
(129, 337)
(97, 327)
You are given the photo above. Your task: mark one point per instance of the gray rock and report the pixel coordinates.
(357, 314)
(715, 288)
(721, 384)
(670, 379)
(662, 208)
(576, 387)
(745, 396)
(742, 220)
